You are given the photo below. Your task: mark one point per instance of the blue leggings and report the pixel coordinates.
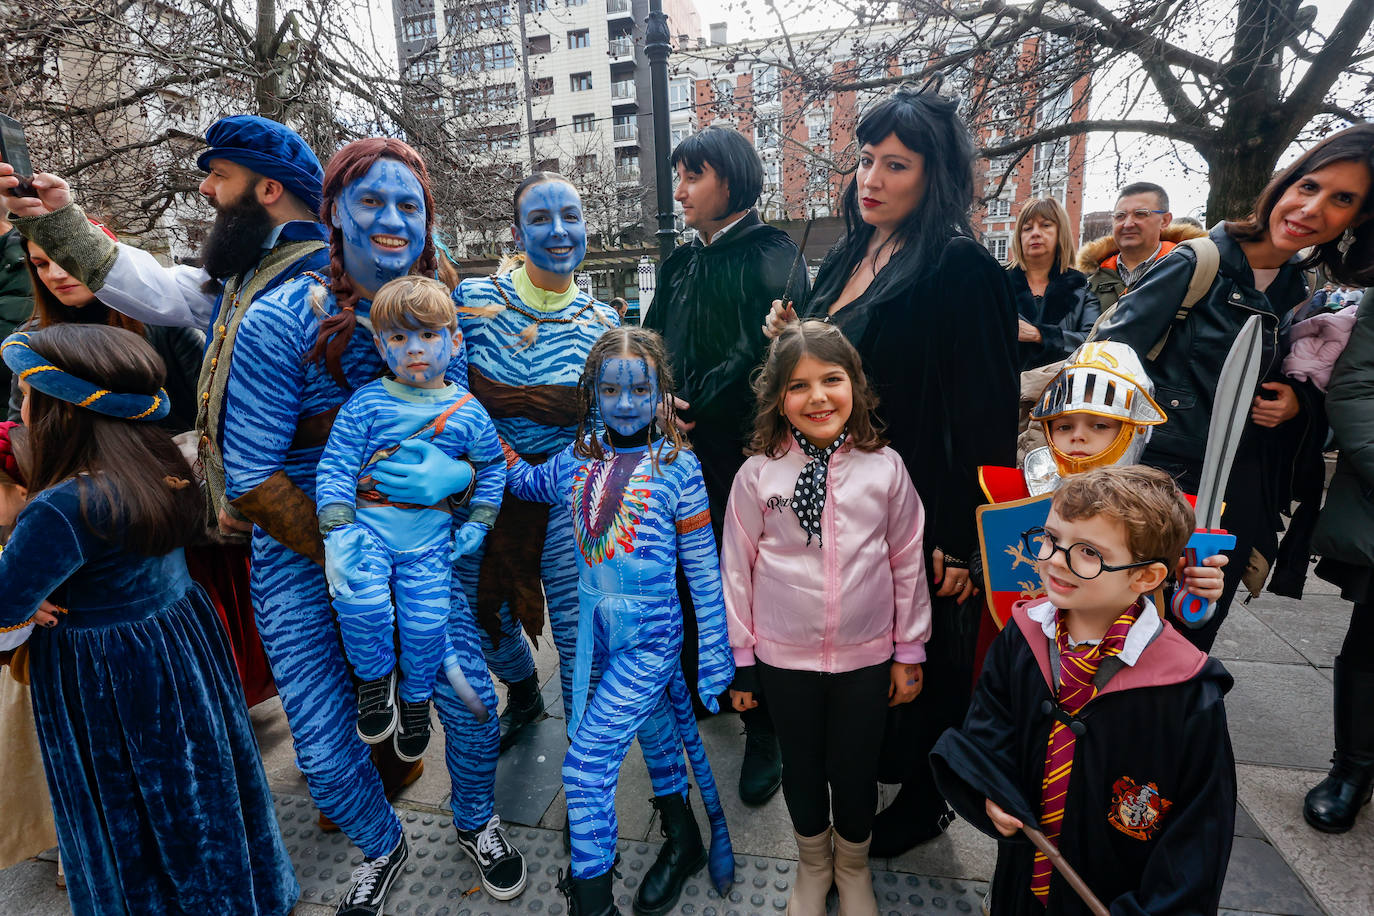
(302, 643)
(367, 620)
(634, 648)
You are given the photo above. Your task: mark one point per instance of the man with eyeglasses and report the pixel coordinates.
(1143, 231)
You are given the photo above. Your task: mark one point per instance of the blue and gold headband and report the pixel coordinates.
(35, 370)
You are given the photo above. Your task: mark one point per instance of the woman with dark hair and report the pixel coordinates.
(60, 298)
(931, 314)
(158, 790)
(1055, 314)
(300, 352)
(1319, 205)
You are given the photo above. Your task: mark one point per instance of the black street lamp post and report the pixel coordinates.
(657, 47)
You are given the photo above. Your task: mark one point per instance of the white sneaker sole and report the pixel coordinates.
(494, 892)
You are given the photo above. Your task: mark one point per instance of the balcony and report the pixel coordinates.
(617, 7)
(621, 47)
(623, 91)
(627, 174)
(625, 133)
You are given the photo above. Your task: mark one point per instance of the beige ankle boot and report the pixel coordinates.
(853, 879)
(815, 874)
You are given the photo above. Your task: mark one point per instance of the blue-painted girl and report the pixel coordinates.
(301, 351)
(639, 510)
(158, 791)
(527, 333)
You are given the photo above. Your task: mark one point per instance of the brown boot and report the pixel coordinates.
(853, 879)
(815, 874)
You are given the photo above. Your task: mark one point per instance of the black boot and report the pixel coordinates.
(1333, 804)
(682, 856)
(589, 896)
(760, 772)
(524, 704)
(916, 815)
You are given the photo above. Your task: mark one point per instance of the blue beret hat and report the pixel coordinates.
(271, 149)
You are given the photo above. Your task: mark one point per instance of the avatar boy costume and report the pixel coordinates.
(638, 513)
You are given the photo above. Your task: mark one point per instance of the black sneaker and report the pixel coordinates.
(377, 709)
(500, 864)
(371, 881)
(412, 731)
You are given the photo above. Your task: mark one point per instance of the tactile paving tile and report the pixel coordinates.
(440, 880)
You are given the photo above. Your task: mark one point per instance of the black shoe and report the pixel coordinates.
(500, 864)
(412, 731)
(1333, 804)
(907, 823)
(682, 856)
(377, 709)
(524, 704)
(371, 881)
(589, 896)
(760, 773)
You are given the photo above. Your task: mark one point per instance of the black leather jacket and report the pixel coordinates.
(1064, 317)
(1186, 371)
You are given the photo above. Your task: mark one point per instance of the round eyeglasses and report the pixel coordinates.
(1083, 559)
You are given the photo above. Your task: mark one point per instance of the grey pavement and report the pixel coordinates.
(1279, 650)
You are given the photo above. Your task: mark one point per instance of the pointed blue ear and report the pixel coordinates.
(334, 219)
(515, 234)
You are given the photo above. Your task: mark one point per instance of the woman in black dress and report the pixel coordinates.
(931, 313)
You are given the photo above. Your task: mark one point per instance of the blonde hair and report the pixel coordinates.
(413, 302)
(1065, 250)
(1145, 500)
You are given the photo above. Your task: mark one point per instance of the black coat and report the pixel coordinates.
(710, 305)
(1064, 316)
(940, 350)
(1345, 530)
(1162, 722)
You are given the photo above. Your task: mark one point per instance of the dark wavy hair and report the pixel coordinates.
(617, 342)
(926, 123)
(1354, 266)
(826, 344)
(348, 165)
(135, 487)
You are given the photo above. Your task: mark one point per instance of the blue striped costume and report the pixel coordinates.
(634, 523)
(408, 545)
(508, 347)
(271, 389)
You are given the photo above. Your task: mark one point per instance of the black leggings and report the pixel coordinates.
(1357, 652)
(830, 729)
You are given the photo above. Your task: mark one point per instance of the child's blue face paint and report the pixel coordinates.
(551, 231)
(627, 393)
(382, 217)
(418, 357)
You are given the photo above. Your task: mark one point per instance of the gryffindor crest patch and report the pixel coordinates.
(1137, 810)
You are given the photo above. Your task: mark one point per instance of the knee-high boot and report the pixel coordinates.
(815, 874)
(1333, 804)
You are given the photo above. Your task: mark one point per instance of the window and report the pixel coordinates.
(537, 6)
(501, 136)
(725, 92)
(997, 245)
(680, 95)
(499, 56)
(772, 172)
(539, 44)
(817, 129)
(477, 16)
(999, 208)
(577, 2)
(586, 164)
(1052, 156)
(541, 86)
(544, 127)
(580, 82)
(766, 85)
(547, 165)
(425, 65)
(678, 134)
(417, 28)
(766, 128)
(579, 38)
(484, 98)
(584, 123)
(624, 128)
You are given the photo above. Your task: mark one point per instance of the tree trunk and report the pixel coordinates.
(267, 84)
(1237, 173)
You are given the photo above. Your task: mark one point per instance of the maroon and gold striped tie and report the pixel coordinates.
(1076, 688)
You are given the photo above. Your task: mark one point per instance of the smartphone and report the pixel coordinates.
(14, 149)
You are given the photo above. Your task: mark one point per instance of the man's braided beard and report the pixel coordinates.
(235, 243)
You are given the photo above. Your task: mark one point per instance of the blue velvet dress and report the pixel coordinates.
(161, 803)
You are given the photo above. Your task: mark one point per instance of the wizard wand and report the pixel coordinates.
(1061, 865)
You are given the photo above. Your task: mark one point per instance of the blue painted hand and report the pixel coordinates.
(467, 538)
(420, 473)
(382, 218)
(343, 552)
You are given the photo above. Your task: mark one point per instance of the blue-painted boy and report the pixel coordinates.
(374, 546)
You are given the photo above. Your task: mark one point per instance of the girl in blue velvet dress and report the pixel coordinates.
(161, 802)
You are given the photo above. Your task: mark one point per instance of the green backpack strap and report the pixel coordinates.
(1204, 275)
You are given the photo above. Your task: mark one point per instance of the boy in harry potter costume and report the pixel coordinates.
(1097, 722)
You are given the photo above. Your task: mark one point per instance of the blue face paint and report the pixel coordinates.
(417, 357)
(551, 231)
(382, 216)
(627, 394)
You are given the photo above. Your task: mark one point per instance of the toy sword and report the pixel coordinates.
(1231, 407)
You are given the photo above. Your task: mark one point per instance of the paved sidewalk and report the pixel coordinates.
(1279, 650)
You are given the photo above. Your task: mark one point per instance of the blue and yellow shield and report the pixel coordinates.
(1009, 574)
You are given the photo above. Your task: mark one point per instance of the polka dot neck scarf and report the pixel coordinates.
(808, 499)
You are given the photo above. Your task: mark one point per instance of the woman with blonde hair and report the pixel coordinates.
(1055, 314)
